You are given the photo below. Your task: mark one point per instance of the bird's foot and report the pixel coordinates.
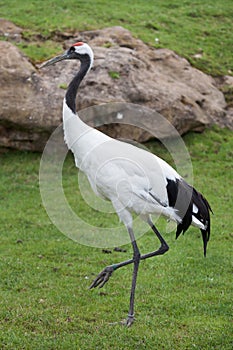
(102, 277)
(129, 321)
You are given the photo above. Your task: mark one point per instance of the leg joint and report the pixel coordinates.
(136, 256)
(136, 252)
(164, 248)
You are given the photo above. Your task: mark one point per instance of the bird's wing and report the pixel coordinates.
(121, 169)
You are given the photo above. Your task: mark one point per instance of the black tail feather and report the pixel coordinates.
(205, 241)
(203, 213)
(204, 216)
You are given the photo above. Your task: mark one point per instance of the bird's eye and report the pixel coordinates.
(72, 49)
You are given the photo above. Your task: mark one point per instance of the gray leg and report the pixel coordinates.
(104, 275)
(136, 261)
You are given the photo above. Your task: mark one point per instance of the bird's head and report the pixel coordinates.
(80, 51)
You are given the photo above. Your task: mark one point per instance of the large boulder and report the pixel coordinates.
(126, 71)
(29, 113)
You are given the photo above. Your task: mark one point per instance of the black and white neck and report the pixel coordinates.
(79, 51)
(72, 90)
(84, 54)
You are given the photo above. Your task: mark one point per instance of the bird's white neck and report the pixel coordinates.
(80, 138)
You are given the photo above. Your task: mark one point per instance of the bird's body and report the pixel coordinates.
(134, 180)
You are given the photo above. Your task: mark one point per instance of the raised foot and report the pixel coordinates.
(102, 277)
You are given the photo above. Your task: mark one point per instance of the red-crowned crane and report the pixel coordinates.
(133, 179)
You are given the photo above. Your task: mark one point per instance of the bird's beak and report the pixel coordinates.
(54, 60)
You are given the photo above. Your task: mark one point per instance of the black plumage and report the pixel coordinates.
(184, 198)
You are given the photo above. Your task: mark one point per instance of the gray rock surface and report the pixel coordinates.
(125, 71)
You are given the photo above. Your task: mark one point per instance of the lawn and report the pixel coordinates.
(199, 30)
(183, 300)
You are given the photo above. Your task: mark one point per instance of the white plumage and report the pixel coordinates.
(133, 179)
(130, 177)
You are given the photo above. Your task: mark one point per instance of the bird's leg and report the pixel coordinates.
(136, 261)
(162, 249)
(104, 275)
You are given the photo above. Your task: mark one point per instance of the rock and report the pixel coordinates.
(225, 84)
(28, 113)
(9, 30)
(126, 73)
(158, 79)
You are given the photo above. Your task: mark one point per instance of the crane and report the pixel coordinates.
(133, 179)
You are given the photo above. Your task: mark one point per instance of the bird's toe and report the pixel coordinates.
(128, 321)
(102, 277)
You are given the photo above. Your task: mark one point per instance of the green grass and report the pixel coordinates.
(183, 301)
(188, 27)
